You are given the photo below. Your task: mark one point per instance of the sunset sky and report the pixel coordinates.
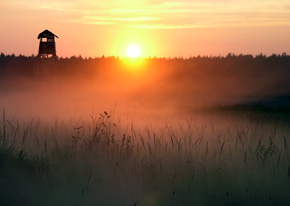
(159, 28)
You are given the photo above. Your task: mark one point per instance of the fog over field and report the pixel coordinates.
(172, 86)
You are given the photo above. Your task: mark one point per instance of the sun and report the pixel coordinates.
(133, 51)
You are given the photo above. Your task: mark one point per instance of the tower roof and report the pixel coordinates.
(45, 34)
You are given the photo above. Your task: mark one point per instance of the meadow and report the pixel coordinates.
(200, 131)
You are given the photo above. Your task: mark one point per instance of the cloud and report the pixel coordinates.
(163, 26)
(153, 14)
(119, 19)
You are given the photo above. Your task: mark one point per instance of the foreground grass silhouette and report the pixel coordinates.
(223, 157)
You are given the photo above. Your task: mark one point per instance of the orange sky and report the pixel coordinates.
(159, 28)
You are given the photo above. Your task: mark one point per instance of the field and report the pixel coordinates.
(201, 131)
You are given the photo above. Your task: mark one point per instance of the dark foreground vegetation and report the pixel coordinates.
(220, 160)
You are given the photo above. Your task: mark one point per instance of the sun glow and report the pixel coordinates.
(133, 51)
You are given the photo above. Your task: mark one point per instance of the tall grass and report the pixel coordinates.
(211, 161)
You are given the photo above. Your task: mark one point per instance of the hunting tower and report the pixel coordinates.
(46, 58)
(46, 44)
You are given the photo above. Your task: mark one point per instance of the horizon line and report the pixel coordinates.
(230, 54)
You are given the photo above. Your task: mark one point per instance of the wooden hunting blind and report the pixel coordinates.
(46, 58)
(46, 44)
